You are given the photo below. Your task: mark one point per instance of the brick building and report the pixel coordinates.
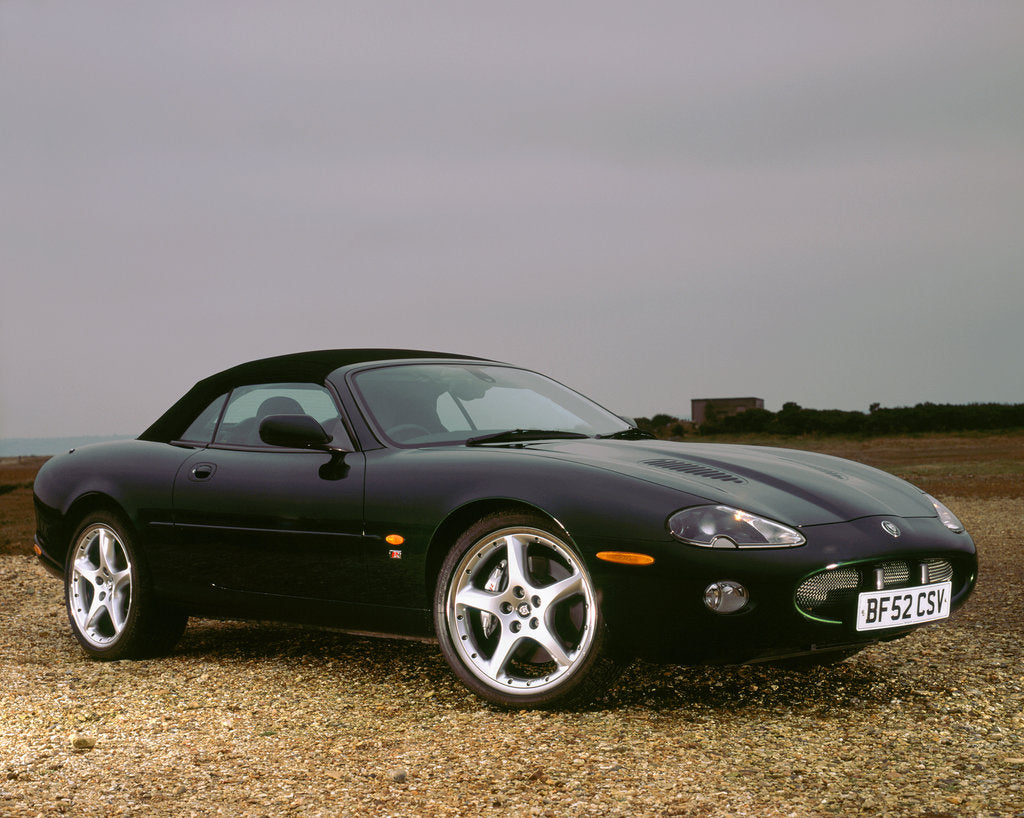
(700, 408)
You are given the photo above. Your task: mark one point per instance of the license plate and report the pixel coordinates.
(903, 606)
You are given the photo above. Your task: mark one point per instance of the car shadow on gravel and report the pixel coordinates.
(848, 686)
(418, 668)
(342, 655)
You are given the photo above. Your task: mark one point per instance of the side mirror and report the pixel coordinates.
(293, 432)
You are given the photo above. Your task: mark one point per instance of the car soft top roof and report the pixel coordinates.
(312, 367)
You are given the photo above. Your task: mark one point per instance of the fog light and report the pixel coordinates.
(725, 597)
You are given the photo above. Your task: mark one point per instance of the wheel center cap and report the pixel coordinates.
(523, 609)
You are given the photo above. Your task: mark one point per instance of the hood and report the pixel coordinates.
(792, 486)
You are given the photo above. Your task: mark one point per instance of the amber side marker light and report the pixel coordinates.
(394, 539)
(37, 550)
(625, 557)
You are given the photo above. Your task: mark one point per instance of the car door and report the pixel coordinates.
(265, 520)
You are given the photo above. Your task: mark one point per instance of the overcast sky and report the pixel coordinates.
(652, 202)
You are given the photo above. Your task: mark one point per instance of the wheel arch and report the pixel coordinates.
(90, 503)
(460, 519)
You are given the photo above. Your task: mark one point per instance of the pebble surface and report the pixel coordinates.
(254, 720)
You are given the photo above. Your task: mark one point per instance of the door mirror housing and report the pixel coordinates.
(294, 432)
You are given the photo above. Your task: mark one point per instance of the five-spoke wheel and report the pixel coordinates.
(517, 615)
(113, 613)
(100, 585)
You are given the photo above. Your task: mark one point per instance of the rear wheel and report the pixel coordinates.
(517, 616)
(113, 612)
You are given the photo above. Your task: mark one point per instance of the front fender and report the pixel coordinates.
(133, 477)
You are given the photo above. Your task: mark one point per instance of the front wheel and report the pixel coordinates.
(113, 612)
(518, 619)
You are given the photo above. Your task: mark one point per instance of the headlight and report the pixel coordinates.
(725, 527)
(947, 517)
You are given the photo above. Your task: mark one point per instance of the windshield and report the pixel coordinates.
(435, 404)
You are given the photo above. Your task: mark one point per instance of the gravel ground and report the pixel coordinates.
(250, 720)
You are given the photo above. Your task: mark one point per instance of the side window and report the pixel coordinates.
(249, 405)
(201, 429)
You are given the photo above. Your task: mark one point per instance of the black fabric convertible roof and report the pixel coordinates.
(312, 367)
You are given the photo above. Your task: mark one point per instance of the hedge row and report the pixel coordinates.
(793, 419)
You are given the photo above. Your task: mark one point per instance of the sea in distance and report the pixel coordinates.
(44, 446)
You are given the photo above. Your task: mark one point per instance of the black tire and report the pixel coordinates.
(112, 610)
(518, 619)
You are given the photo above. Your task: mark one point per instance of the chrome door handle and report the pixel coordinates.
(203, 471)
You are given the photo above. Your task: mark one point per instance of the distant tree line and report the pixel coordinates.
(793, 419)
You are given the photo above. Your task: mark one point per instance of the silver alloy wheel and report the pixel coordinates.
(100, 587)
(522, 610)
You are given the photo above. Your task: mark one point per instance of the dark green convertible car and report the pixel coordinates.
(541, 539)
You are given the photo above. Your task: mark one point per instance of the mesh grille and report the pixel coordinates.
(827, 588)
(895, 574)
(939, 571)
(830, 593)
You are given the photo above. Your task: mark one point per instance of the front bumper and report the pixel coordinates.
(49, 538)
(657, 611)
(51, 565)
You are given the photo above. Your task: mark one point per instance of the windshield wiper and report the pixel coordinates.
(516, 435)
(633, 433)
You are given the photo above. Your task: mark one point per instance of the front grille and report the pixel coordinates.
(894, 575)
(830, 593)
(939, 571)
(828, 588)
